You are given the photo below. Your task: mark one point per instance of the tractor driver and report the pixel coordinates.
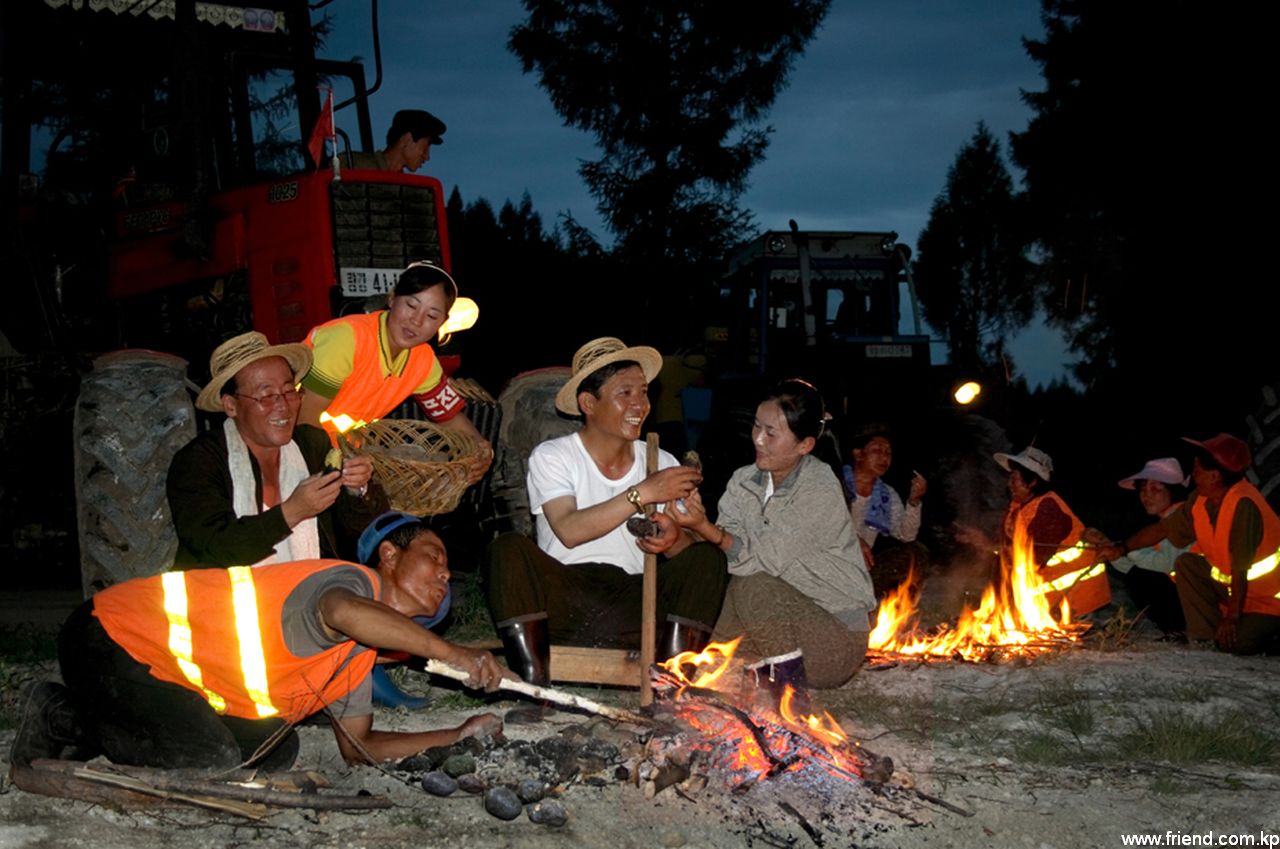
(409, 140)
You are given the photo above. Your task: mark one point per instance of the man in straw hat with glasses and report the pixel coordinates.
(581, 583)
(255, 490)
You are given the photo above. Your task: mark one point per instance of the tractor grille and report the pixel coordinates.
(382, 225)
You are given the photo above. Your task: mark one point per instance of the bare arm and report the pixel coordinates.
(313, 404)
(393, 745)
(372, 623)
(573, 525)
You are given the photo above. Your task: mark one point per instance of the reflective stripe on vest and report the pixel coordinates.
(1062, 583)
(1066, 555)
(253, 665)
(175, 609)
(1265, 566)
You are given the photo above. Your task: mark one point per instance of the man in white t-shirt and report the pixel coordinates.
(581, 583)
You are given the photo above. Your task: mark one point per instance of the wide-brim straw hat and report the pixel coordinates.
(1167, 470)
(597, 354)
(238, 352)
(1030, 458)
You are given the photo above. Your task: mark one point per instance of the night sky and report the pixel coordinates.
(875, 113)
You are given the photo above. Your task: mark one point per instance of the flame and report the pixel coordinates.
(715, 657)
(341, 422)
(824, 728)
(793, 738)
(1014, 617)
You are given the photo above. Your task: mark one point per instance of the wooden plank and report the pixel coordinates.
(618, 667)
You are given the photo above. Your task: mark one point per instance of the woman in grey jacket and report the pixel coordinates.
(800, 593)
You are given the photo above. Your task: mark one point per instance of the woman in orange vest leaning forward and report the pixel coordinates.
(1039, 521)
(365, 365)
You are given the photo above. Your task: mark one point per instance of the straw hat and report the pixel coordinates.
(1164, 469)
(1230, 452)
(597, 354)
(238, 352)
(1030, 458)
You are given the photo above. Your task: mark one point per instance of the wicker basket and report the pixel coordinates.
(422, 467)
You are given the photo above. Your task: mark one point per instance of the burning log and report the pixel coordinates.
(549, 694)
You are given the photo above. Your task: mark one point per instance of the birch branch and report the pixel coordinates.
(549, 694)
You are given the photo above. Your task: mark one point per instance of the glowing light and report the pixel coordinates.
(967, 392)
(464, 314)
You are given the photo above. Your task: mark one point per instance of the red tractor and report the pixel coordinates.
(189, 136)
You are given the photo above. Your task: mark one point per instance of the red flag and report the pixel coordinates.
(324, 129)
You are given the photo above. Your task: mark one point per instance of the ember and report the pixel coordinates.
(1014, 619)
(747, 740)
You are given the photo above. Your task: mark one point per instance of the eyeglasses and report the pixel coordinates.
(292, 396)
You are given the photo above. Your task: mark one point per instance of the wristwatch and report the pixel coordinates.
(633, 495)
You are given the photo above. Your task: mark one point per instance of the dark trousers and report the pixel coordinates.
(141, 721)
(1156, 594)
(596, 604)
(1201, 598)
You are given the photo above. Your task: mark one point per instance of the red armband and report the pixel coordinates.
(442, 403)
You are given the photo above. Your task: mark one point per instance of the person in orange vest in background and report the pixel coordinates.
(364, 366)
(1230, 590)
(1041, 521)
(210, 668)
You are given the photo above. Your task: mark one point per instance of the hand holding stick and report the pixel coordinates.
(550, 694)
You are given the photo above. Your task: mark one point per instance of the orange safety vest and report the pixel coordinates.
(367, 394)
(1072, 572)
(218, 633)
(1263, 593)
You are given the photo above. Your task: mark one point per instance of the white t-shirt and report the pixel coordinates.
(560, 467)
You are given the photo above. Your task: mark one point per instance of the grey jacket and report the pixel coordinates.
(802, 535)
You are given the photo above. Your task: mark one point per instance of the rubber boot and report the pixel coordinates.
(528, 648)
(679, 635)
(527, 645)
(48, 727)
(773, 674)
(387, 694)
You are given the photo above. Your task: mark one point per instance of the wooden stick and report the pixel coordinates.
(649, 598)
(188, 785)
(549, 694)
(250, 810)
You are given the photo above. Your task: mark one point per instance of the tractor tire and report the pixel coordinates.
(1264, 441)
(132, 416)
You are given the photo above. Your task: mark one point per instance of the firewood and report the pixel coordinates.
(189, 787)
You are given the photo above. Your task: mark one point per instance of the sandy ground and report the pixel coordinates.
(1078, 749)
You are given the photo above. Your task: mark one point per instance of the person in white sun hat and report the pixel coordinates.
(1147, 573)
(1040, 524)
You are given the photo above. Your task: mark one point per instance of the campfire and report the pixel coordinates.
(1014, 619)
(744, 732)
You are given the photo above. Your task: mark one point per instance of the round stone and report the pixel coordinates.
(549, 812)
(502, 802)
(457, 765)
(471, 783)
(530, 790)
(439, 784)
